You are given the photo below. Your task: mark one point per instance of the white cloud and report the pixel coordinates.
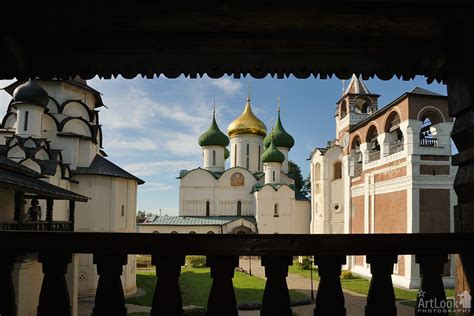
(159, 167)
(227, 85)
(139, 144)
(182, 144)
(155, 186)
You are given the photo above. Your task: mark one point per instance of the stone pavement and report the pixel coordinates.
(355, 303)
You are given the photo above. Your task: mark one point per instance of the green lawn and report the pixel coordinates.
(196, 285)
(360, 285)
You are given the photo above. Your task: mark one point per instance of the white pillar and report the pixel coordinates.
(272, 172)
(29, 120)
(245, 148)
(213, 158)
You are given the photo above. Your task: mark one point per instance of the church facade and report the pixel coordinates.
(52, 128)
(388, 170)
(254, 195)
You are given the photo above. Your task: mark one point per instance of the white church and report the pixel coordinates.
(254, 195)
(51, 150)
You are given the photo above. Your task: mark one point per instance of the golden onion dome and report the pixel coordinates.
(247, 123)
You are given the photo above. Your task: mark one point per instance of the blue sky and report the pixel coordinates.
(151, 126)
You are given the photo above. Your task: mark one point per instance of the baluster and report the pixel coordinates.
(329, 297)
(276, 298)
(167, 298)
(109, 298)
(432, 288)
(7, 292)
(381, 298)
(468, 268)
(222, 297)
(54, 295)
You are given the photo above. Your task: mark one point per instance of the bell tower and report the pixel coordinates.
(356, 103)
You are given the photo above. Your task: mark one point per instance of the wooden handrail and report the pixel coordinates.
(240, 245)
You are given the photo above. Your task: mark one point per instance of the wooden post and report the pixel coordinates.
(222, 297)
(19, 207)
(54, 296)
(381, 296)
(7, 297)
(431, 290)
(460, 84)
(276, 298)
(49, 209)
(72, 214)
(167, 298)
(329, 297)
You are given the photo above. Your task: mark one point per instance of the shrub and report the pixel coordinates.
(194, 311)
(346, 274)
(196, 261)
(143, 261)
(305, 263)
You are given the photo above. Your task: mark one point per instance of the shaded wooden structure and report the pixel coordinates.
(302, 38)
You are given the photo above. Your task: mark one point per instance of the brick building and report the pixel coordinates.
(388, 171)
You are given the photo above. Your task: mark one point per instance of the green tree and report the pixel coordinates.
(302, 186)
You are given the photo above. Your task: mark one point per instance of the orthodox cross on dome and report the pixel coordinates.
(278, 104)
(214, 107)
(249, 90)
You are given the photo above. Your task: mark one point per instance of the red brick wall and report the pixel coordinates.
(391, 212)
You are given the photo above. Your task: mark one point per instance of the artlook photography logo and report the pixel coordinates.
(460, 304)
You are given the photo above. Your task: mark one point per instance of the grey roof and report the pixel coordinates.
(356, 86)
(30, 93)
(422, 91)
(104, 167)
(16, 178)
(194, 220)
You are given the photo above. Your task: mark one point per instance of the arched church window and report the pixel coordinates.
(337, 170)
(208, 208)
(273, 175)
(235, 155)
(239, 208)
(248, 157)
(317, 171)
(213, 157)
(276, 210)
(393, 133)
(237, 179)
(343, 109)
(25, 123)
(363, 105)
(373, 144)
(428, 130)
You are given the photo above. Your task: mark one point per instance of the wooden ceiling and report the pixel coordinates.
(304, 38)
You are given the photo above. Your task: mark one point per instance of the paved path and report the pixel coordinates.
(355, 303)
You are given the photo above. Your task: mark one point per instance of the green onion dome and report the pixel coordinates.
(226, 153)
(272, 154)
(280, 137)
(213, 136)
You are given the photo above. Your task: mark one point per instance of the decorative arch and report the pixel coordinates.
(241, 230)
(77, 125)
(237, 179)
(53, 105)
(394, 135)
(29, 163)
(29, 143)
(392, 121)
(362, 104)
(42, 154)
(355, 143)
(337, 170)
(372, 143)
(434, 114)
(16, 153)
(343, 109)
(76, 108)
(9, 120)
(50, 123)
(317, 171)
(372, 131)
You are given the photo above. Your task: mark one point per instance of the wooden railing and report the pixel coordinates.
(169, 250)
(62, 226)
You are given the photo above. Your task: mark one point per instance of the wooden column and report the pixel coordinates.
(54, 295)
(222, 296)
(460, 82)
(7, 292)
(109, 298)
(167, 298)
(432, 288)
(381, 297)
(276, 298)
(49, 209)
(329, 297)
(19, 208)
(72, 213)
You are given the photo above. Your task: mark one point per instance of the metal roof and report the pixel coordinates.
(104, 167)
(194, 220)
(15, 178)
